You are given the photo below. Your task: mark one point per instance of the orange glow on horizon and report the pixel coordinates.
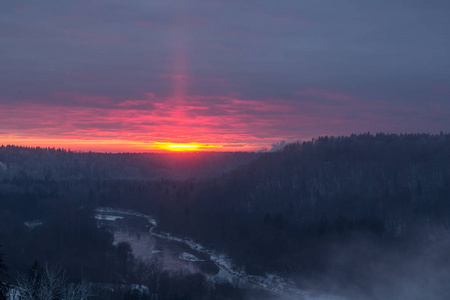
(116, 146)
(179, 147)
(175, 124)
(182, 147)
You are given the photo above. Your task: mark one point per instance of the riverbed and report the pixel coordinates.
(184, 254)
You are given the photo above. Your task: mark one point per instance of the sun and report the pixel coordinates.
(181, 147)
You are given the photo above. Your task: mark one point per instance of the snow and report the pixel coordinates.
(223, 276)
(33, 224)
(141, 288)
(272, 282)
(108, 210)
(189, 257)
(227, 270)
(107, 217)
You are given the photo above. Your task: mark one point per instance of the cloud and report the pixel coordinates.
(259, 73)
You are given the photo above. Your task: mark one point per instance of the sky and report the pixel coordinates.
(143, 75)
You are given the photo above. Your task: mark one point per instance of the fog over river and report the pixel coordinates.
(183, 254)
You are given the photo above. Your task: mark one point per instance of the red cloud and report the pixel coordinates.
(224, 122)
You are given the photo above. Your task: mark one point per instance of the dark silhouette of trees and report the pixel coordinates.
(153, 275)
(4, 287)
(288, 212)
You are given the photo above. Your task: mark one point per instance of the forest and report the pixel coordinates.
(361, 217)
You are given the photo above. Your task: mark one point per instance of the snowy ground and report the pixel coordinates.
(33, 224)
(108, 210)
(189, 257)
(107, 217)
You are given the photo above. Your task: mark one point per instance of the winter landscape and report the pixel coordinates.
(224, 150)
(359, 217)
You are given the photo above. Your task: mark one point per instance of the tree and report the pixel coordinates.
(50, 283)
(153, 274)
(3, 285)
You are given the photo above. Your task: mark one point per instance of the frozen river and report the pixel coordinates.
(176, 253)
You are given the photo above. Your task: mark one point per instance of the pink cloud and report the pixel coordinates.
(223, 121)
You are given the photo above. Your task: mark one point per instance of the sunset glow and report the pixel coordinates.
(232, 149)
(179, 147)
(202, 77)
(183, 147)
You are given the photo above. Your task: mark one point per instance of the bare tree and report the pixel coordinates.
(50, 284)
(29, 283)
(80, 291)
(153, 274)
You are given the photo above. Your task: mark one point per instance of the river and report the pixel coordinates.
(180, 253)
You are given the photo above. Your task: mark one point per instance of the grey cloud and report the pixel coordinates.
(381, 51)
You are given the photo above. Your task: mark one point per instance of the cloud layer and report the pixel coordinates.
(239, 75)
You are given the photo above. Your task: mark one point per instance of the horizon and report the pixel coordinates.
(187, 149)
(221, 76)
